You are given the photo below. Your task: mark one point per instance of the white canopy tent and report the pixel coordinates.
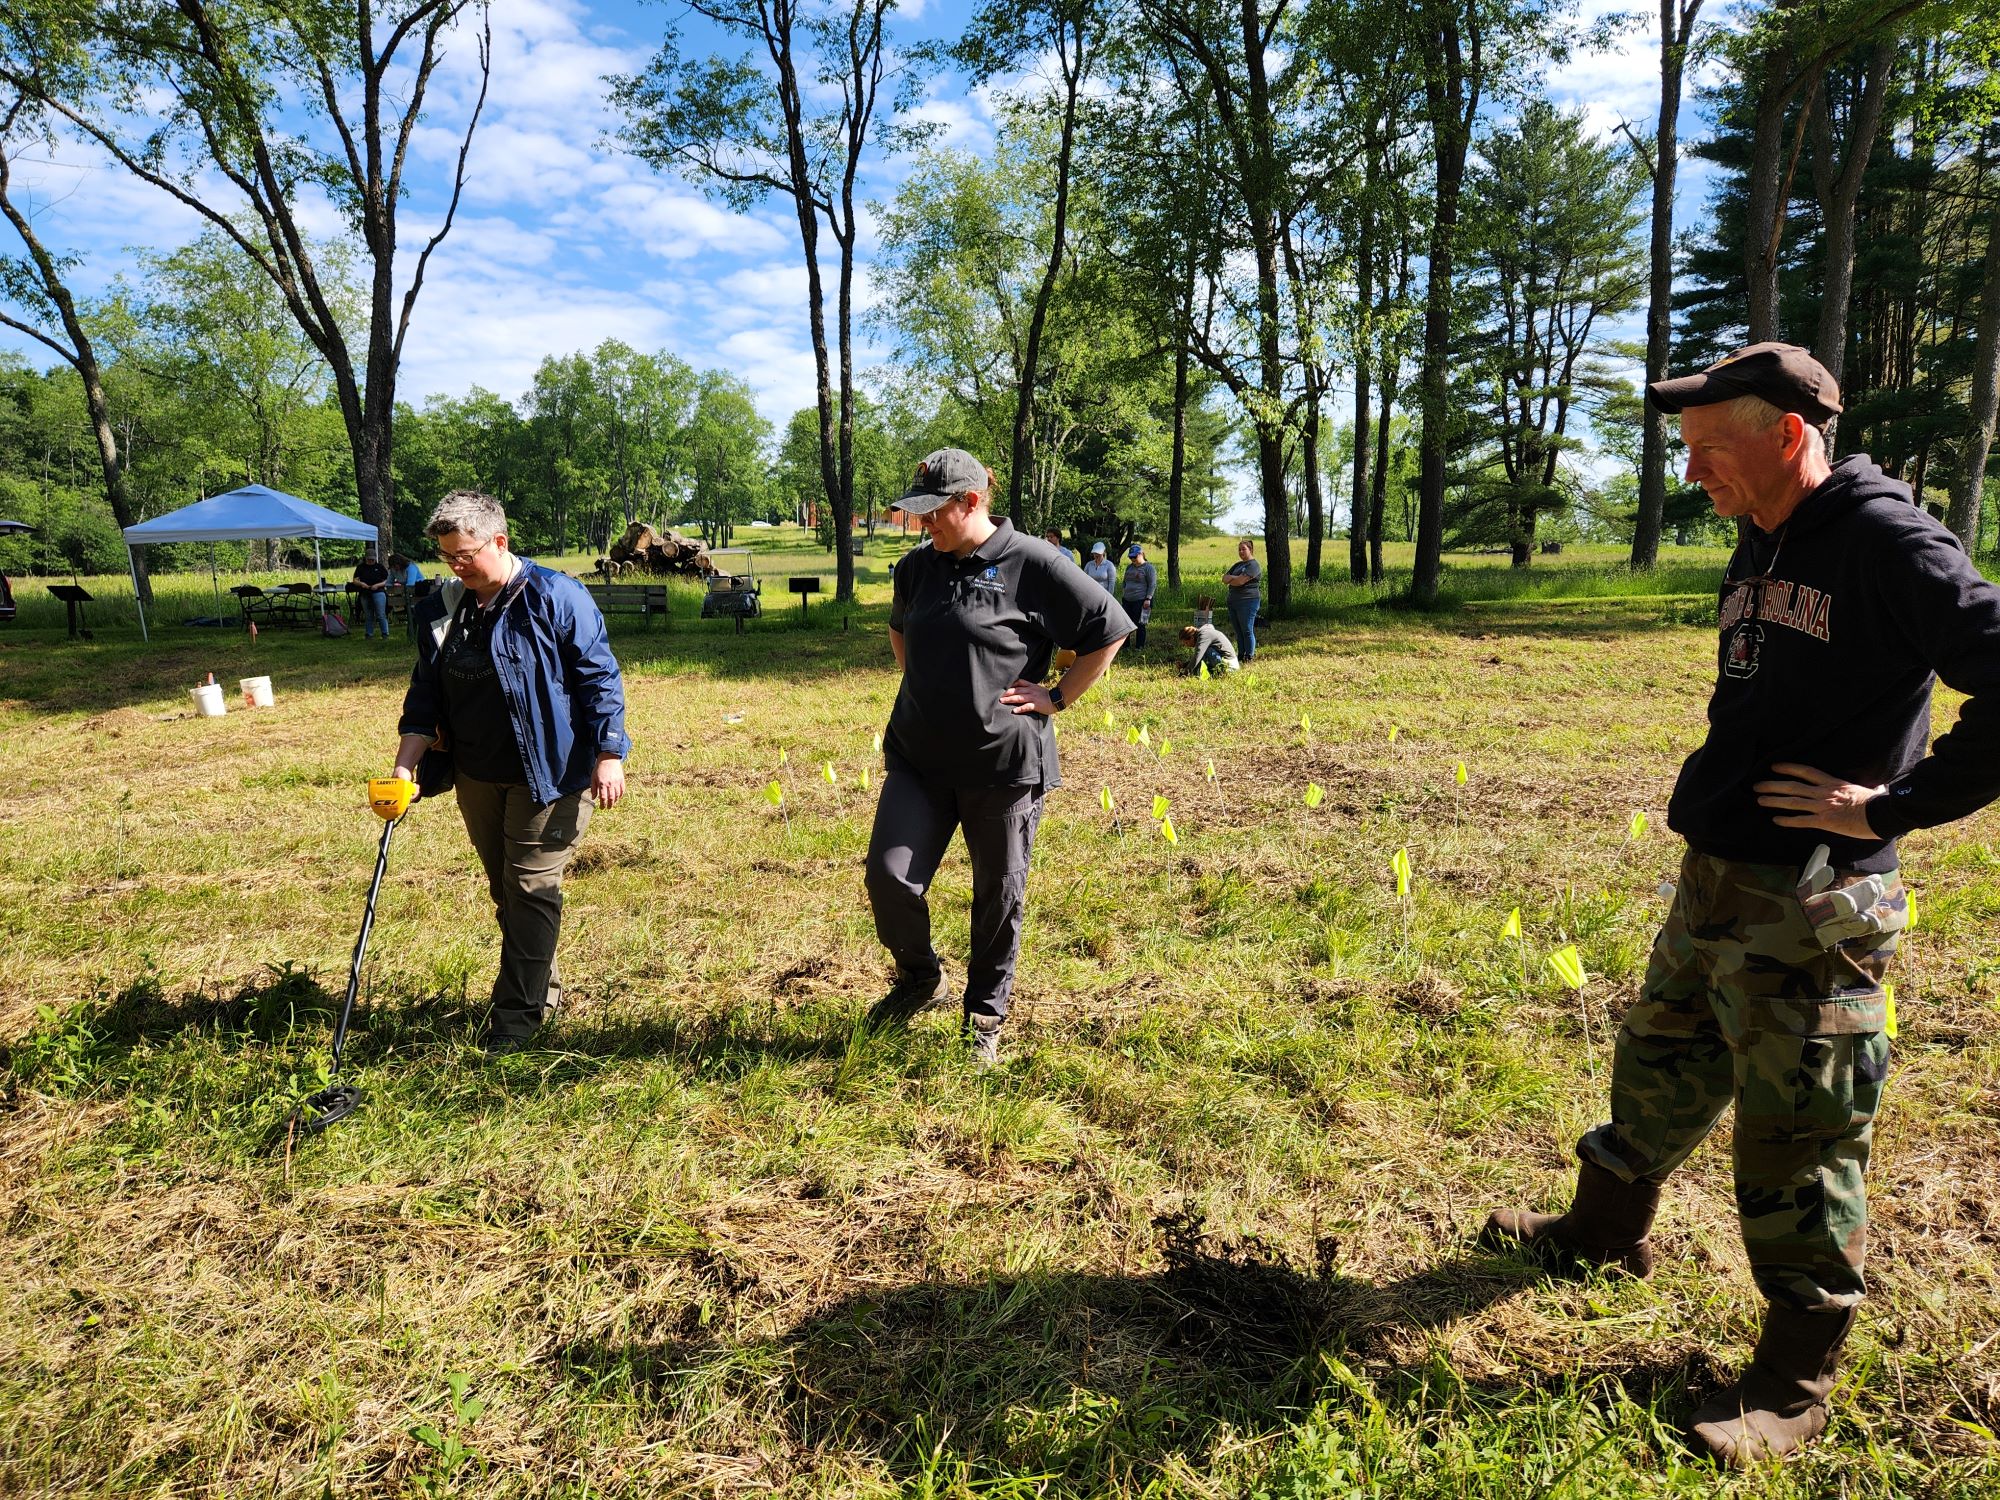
(250, 514)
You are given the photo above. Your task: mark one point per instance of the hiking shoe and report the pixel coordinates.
(984, 1034)
(505, 1043)
(1780, 1403)
(1605, 1226)
(908, 997)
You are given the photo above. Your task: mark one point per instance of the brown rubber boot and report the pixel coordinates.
(1606, 1225)
(1780, 1403)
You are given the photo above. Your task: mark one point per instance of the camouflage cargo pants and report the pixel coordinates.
(1742, 1005)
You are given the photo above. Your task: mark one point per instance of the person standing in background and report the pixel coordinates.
(1141, 579)
(1246, 595)
(1100, 568)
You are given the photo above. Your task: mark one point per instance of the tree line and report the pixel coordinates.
(1349, 245)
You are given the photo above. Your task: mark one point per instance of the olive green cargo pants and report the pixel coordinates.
(1742, 1005)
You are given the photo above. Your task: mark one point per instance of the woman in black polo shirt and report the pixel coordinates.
(978, 614)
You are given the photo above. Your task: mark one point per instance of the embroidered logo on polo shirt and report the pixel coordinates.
(990, 579)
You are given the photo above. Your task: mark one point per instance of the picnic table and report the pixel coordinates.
(287, 603)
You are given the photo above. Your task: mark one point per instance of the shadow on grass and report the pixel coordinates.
(1083, 1381)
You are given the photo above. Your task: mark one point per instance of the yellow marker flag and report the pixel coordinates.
(775, 795)
(1203, 673)
(864, 778)
(1104, 799)
(1132, 735)
(1166, 747)
(1637, 827)
(1159, 807)
(1399, 866)
(1910, 908)
(1055, 729)
(1568, 967)
(1144, 738)
(1889, 1011)
(1315, 794)
(1459, 774)
(1393, 732)
(1513, 927)
(1249, 679)
(832, 776)
(1305, 723)
(1208, 769)
(1107, 718)
(1167, 831)
(878, 744)
(781, 755)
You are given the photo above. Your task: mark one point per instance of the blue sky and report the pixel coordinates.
(561, 242)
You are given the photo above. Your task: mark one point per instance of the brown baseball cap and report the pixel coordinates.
(1783, 374)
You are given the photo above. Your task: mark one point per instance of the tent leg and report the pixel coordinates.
(132, 557)
(214, 583)
(319, 579)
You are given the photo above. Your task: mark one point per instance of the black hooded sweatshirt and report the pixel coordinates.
(1832, 628)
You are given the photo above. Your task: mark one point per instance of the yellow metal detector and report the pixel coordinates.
(389, 797)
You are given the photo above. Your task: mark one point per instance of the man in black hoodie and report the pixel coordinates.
(1842, 602)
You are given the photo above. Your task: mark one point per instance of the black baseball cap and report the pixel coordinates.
(945, 475)
(1783, 374)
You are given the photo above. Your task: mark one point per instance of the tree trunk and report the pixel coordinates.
(1357, 530)
(1315, 491)
(1260, 198)
(1969, 483)
(1453, 101)
(1177, 470)
(1837, 186)
(1024, 396)
(1675, 33)
(1767, 187)
(1379, 494)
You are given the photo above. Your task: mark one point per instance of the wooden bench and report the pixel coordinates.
(647, 599)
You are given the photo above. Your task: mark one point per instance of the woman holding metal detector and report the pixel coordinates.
(516, 686)
(977, 615)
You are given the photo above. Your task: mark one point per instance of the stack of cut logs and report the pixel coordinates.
(642, 550)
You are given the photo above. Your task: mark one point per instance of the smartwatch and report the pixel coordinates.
(1056, 697)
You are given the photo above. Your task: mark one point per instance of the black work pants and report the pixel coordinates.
(914, 822)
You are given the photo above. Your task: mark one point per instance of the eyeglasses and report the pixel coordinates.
(461, 559)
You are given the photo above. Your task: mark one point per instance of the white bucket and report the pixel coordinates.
(208, 702)
(256, 691)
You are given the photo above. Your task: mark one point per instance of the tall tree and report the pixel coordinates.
(1969, 482)
(1677, 23)
(39, 303)
(754, 126)
(1454, 63)
(215, 103)
(1220, 55)
(1070, 34)
(1551, 252)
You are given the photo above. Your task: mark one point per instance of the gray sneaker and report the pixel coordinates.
(907, 999)
(984, 1034)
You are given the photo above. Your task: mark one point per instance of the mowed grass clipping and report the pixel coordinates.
(1207, 1232)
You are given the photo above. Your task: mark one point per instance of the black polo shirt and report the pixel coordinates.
(973, 626)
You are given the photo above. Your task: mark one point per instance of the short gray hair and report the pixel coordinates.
(468, 512)
(1755, 414)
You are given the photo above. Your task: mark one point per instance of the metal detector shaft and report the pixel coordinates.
(361, 943)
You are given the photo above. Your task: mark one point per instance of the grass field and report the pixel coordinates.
(1206, 1232)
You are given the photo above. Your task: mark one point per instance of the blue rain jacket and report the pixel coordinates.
(563, 688)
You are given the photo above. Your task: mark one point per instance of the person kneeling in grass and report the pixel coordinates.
(977, 615)
(1210, 648)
